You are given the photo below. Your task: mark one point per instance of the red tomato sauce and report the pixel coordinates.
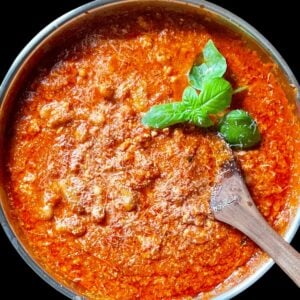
(119, 211)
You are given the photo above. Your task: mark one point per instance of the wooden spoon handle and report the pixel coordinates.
(233, 205)
(257, 229)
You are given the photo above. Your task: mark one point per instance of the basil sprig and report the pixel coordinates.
(208, 94)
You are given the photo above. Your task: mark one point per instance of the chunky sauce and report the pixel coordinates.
(117, 210)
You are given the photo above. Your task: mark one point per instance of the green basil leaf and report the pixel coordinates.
(190, 96)
(214, 66)
(201, 119)
(239, 129)
(215, 96)
(164, 115)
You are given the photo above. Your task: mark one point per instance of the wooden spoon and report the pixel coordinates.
(231, 203)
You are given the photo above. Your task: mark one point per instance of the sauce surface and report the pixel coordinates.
(119, 211)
